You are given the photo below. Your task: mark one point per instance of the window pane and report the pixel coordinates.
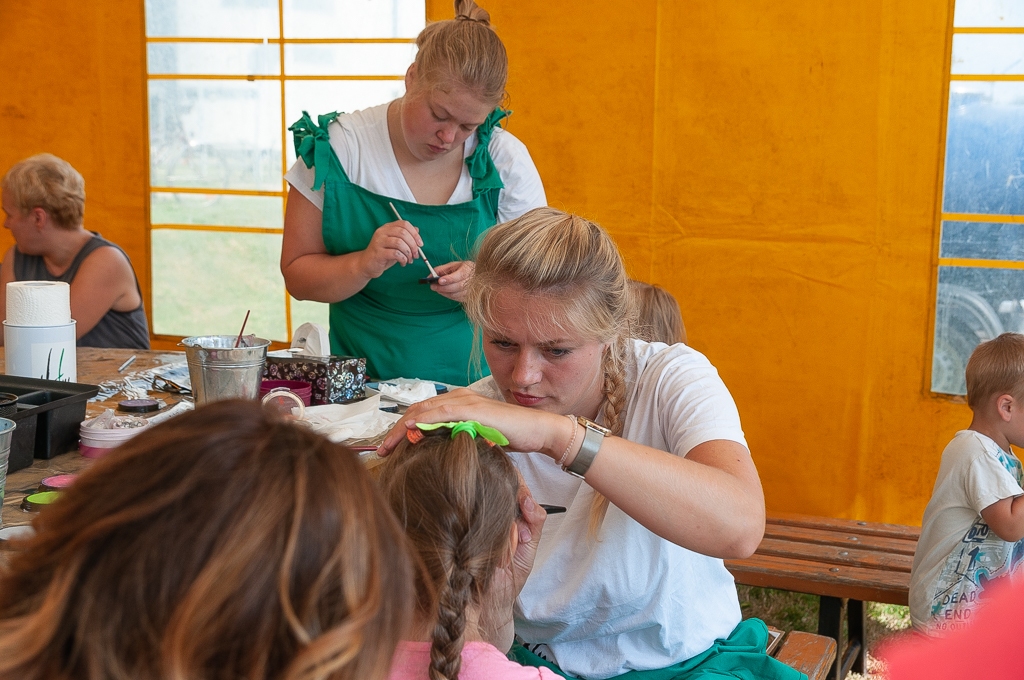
(983, 241)
(305, 311)
(215, 134)
(203, 283)
(324, 96)
(231, 59)
(380, 59)
(354, 18)
(987, 54)
(212, 18)
(217, 210)
(974, 305)
(984, 139)
(993, 13)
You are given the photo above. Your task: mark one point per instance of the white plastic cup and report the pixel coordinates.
(43, 352)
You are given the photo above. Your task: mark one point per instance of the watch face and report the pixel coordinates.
(591, 425)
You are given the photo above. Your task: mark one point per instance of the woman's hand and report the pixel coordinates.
(527, 430)
(496, 623)
(454, 277)
(395, 242)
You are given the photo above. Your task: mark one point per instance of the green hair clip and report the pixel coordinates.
(474, 428)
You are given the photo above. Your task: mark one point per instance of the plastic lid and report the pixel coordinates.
(282, 400)
(138, 405)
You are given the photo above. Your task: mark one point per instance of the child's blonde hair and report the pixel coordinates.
(996, 367)
(660, 318)
(456, 497)
(464, 51)
(51, 183)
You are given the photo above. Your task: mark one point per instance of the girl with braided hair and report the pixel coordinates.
(640, 441)
(456, 492)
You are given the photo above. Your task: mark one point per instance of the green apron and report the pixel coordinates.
(402, 327)
(741, 656)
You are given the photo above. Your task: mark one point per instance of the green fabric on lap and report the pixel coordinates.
(740, 657)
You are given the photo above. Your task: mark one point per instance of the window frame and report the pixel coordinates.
(166, 340)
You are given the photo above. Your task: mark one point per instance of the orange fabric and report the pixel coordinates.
(774, 165)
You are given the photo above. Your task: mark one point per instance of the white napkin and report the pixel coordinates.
(311, 339)
(407, 392)
(361, 420)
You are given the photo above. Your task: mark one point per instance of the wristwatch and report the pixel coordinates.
(592, 440)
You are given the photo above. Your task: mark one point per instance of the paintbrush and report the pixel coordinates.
(422, 254)
(244, 321)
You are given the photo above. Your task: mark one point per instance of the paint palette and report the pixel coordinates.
(48, 416)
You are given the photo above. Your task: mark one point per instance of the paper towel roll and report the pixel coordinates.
(38, 303)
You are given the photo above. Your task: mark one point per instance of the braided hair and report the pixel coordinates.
(457, 499)
(553, 255)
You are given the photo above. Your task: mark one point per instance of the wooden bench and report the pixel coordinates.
(835, 559)
(812, 655)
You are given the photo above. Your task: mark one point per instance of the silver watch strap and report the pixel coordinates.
(591, 445)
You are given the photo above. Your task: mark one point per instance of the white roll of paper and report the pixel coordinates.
(38, 303)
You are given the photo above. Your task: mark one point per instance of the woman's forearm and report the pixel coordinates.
(325, 278)
(710, 502)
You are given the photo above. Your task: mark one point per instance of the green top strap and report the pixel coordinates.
(313, 144)
(480, 164)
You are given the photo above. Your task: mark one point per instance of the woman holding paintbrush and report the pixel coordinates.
(418, 178)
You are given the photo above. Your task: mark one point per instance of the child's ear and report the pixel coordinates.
(1007, 405)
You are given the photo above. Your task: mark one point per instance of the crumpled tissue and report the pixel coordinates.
(361, 420)
(407, 392)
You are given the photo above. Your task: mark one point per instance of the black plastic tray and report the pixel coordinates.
(48, 417)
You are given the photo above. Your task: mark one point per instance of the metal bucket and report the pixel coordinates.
(219, 370)
(6, 432)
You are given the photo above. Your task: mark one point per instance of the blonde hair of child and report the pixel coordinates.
(551, 254)
(51, 183)
(660, 318)
(996, 367)
(457, 499)
(464, 52)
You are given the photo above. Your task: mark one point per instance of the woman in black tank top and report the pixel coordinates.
(43, 200)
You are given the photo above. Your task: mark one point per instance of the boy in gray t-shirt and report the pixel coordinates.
(974, 523)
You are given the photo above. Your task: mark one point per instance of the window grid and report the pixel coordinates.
(282, 78)
(944, 217)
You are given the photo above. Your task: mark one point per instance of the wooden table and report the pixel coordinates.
(94, 366)
(835, 559)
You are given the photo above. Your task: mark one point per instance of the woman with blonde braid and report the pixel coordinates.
(642, 444)
(456, 493)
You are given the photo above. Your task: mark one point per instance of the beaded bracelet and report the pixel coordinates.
(561, 461)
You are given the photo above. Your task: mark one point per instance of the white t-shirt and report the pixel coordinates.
(958, 553)
(362, 144)
(629, 600)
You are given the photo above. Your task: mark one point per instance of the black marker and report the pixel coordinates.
(552, 509)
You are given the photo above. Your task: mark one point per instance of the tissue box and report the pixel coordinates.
(335, 380)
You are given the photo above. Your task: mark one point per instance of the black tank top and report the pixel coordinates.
(115, 329)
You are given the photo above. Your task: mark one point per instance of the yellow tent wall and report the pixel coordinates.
(773, 164)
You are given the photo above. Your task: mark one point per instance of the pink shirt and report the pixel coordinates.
(480, 661)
